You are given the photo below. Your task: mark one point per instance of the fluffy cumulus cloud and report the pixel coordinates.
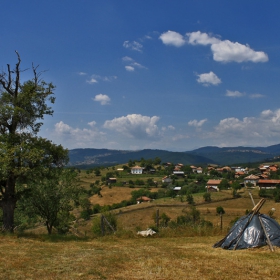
(102, 98)
(208, 79)
(197, 123)
(172, 38)
(235, 93)
(226, 51)
(135, 46)
(77, 137)
(223, 50)
(198, 38)
(249, 131)
(135, 126)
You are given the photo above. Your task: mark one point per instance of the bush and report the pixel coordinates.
(112, 220)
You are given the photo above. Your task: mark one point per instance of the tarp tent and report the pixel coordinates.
(252, 230)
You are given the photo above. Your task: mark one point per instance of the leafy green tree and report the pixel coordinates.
(97, 172)
(224, 185)
(53, 197)
(220, 210)
(207, 197)
(190, 199)
(22, 153)
(157, 161)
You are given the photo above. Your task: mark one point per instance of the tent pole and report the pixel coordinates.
(255, 210)
(254, 204)
(266, 235)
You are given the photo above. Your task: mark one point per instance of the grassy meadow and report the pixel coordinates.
(170, 254)
(30, 257)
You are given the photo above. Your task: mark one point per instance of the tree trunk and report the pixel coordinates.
(49, 227)
(8, 205)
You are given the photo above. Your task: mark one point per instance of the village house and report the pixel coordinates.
(199, 170)
(194, 168)
(177, 189)
(178, 173)
(251, 179)
(143, 199)
(213, 185)
(166, 179)
(268, 184)
(136, 170)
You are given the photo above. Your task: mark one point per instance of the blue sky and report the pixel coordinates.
(173, 75)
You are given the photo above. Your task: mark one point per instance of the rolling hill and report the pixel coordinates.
(86, 158)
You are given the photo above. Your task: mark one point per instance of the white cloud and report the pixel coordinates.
(249, 131)
(92, 124)
(256, 95)
(127, 58)
(135, 126)
(226, 51)
(102, 98)
(135, 46)
(82, 73)
(129, 68)
(92, 81)
(138, 65)
(197, 123)
(236, 93)
(132, 64)
(172, 38)
(208, 79)
(223, 50)
(198, 38)
(77, 137)
(169, 127)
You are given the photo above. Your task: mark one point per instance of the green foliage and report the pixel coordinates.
(23, 155)
(97, 172)
(138, 193)
(52, 198)
(220, 210)
(207, 197)
(224, 185)
(190, 199)
(235, 194)
(163, 219)
(97, 224)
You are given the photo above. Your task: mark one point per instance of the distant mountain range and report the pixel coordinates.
(86, 158)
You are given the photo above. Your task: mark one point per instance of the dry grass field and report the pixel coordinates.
(170, 254)
(133, 258)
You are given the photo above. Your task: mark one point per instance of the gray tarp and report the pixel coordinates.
(251, 233)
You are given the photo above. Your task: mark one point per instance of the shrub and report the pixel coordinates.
(111, 218)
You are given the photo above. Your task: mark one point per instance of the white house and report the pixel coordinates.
(136, 170)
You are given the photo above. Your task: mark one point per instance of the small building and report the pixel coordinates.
(194, 168)
(213, 185)
(199, 170)
(268, 184)
(177, 189)
(251, 179)
(111, 180)
(178, 173)
(166, 179)
(143, 199)
(137, 170)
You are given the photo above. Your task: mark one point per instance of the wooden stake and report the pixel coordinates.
(266, 235)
